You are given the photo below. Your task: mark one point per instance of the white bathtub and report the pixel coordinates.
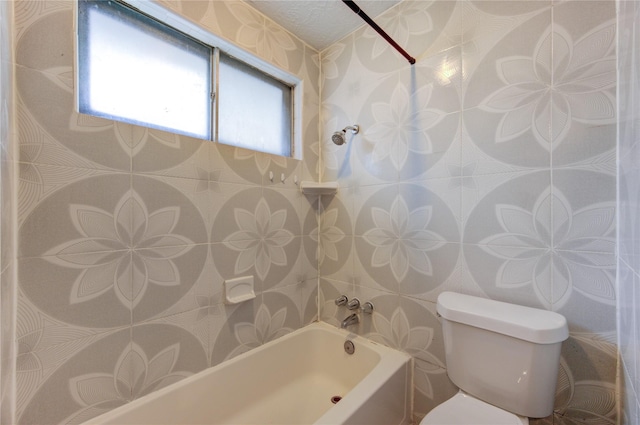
(287, 381)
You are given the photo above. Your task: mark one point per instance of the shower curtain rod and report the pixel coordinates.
(353, 6)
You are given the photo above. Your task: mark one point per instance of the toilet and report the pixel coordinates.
(503, 357)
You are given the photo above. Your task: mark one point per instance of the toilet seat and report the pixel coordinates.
(463, 409)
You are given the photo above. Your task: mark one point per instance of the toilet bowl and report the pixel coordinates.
(463, 409)
(503, 357)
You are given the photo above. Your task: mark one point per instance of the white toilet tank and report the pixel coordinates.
(505, 354)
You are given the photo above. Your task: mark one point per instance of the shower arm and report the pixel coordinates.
(353, 6)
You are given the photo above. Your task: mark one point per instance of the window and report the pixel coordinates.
(136, 69)
(247, 92)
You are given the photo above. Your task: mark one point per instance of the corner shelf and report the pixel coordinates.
(315, 188)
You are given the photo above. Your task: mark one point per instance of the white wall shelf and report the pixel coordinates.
(315, 188)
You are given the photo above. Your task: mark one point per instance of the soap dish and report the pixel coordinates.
(238, 290)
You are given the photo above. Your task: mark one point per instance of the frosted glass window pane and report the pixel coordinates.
(135, 69)
(254, 109)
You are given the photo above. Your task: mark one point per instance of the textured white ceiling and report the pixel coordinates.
(320, 23)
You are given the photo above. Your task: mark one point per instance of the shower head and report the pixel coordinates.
(340, 137)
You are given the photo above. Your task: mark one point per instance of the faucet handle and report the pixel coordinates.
(354, 304)
(342, 300)
(367, 307)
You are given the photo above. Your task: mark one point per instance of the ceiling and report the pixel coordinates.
(320, 23)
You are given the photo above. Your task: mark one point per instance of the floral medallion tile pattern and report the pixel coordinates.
(401, 137)
(403, 240)
(126, 234)
(259, 34)
(581, 396)
(124, 371)
(550, 100)
(258, 237)
(124, 251)
(414, 338)
(246, 328)
(487, 166)
(44, 79)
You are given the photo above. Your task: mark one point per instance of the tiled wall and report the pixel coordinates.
(628, 224)
(489, 168)
(126, 234)
(486, 168)
(7, 229)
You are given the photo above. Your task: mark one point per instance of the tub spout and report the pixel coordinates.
(351, 320)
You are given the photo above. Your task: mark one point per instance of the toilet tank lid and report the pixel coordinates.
(526, 323)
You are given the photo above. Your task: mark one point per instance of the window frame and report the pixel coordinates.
(218, 44)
